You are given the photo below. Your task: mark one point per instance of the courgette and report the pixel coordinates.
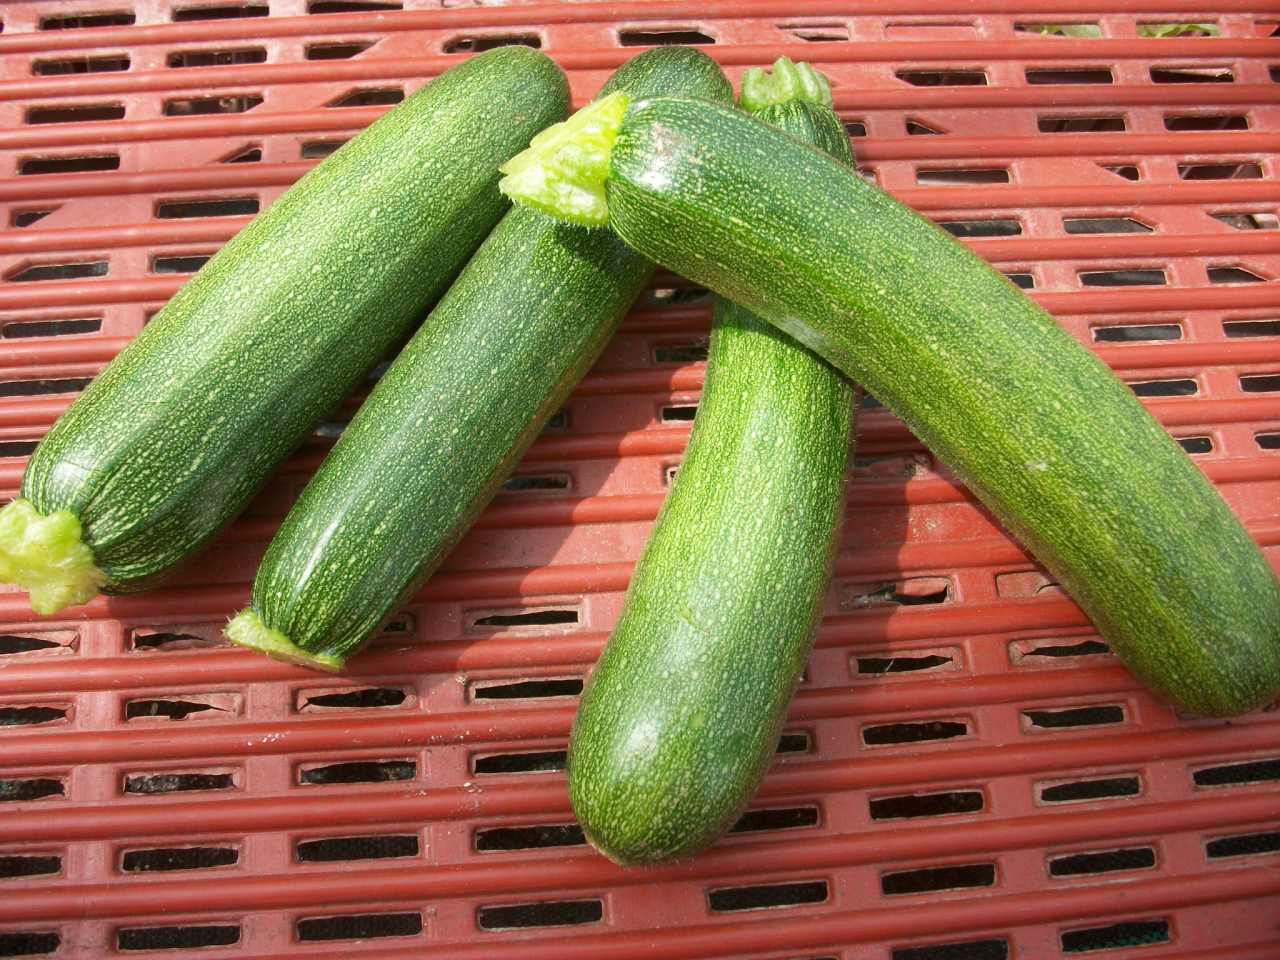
(681, 716)
(166, 446)
(1041, 430)
(452, 416)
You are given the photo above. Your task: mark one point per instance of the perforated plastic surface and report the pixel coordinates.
(967, 774)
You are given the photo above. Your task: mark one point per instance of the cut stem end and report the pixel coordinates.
(46, 557)
(247, 630)
(789, 81)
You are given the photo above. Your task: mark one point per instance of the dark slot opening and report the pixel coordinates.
(1070, 75)
(682, 353)
(482, 43)
(177, 938)
(534, 618)
(555, 481)
(528, 689)
(178, 782)
(77, 65)
(81, 113)
(30, 716)
(1248, 221)
(217, 58)
(1201, 122)
(169, 641)
(1073, 30)
(1196, 444)
(921, 732)
(228, 12)
(995, 949)
(558, 421)
(32, 388)
(369, 697)
(817, 33)
(337, 51)
(205, 106)
(855, 128)
(353, 6)
(1233, 275)
(943, 78)
(684, 412)
(86, 21)
(25, 218)
(1074, 717)
(28, 944)
(360, 926)
(934, 879)
(360, 771)
(179, 264)
(918, 128)
(782, 818)
(663, 38)
(1243, 845)
(1192, 75)
(553, 913)
(1101, 789)
(536, 761)
(170, 709)
(982, 228)
(402, 626)
(675, 296)
(320, 149)
(1137, 333)
(1231, 774)
(1266, 383)
(972, 175)
(901, 663)
(1081, 125)
(1165, 388)
(334, 849)
(1247, 170)
(1132, 933)
(1092, 225)
(907, 593)
(165, 860)
(60, 271)
(386, 96)
(767, 895)
(29, 866)
(1124, 278)
(1125, 170)
(52, 328)
(795, 743)
(221, 207)
(1106, 861)
(11, 644)
(913, 805)
(37, 788)
(1268, 441)
(1023, 281)
(529, 838)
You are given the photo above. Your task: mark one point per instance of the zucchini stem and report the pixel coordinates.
(789, 81)
(47, 557)
(247, 630)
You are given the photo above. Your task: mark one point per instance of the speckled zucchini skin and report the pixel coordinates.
(457, 409)
(166, 446)
(681, 716)
(1040, 429)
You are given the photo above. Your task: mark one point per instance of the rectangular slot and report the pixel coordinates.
(1069, 75)
(536, 483)
(855, 128)
(1131, 933)
(1233, 275)
(1243, 170)
(912, 806)
(360, 926)
(87, 21)
(780, 818)
(14, 867)
(1243, 845)
(943, 78)
(1075, 31)
(172, 859)
(531, 761)
(798, 742)
(1078, 791)
(200, 706)
(943, 660)
(964, 876)
(11, 449)
(1026, 585)
(364, 698)
(1196, 445)
(548, 913)
(1211, 74)
(36, 388)
(35, 788)
(527, 617)
(1123, 278)
(922, 731)
(1267, 441)
(1248, 221)
(994, 949)
(982, 228)
(1081, 124)
(148, 784)
(340, 849)
(1237, 774)
(1096, 225)
(1137, 333)
(681, 353)
(29, 943)
(382, 97)
(1127, 171)
(918, 128)
(558, 421)
(179, 264)
(320, 149)
(1158, 30)
(215, 207)
(683, 413)
(529, 838)
(25, 218)
(966, 176)
(79, 65)
(920, 591)
(1214, 121)
(817, 32)
(1261, 383)
(672, 36)
(1068, 717)
(21, 329)
(220, 12)
(81, 113)
(211, 106)
(1103, 861)
(217, 58)
(177, 938)
(54, 641)
(541, 688)
(767, 896)
(1023, 281)
(338, 51)
(1165, 388)
(35, 715)
(353, 6)
(173, 639)
(479, 44)
(358, 771)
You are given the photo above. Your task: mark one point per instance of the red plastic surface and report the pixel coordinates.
(161, 790)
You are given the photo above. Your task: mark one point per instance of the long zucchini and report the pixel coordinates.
(1040, 429)
(452, 416)
(168, 444)
(681, 716)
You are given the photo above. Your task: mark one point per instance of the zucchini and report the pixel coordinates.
(1041, 430)
(167, 445)
(452, 416)
(681, 717)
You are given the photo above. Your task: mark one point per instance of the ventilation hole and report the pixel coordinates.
(782, 818)
(943, 78)
(530, 618)
(1192, 75)
(156, 783)
(663, 38)
(1268, 383)
(982, 228)
(83, 113)
(767, 896)
(540, 689)
(1165, 388)
(403, 626)
(558, 421)
(817, 32)
(936, 879)
(385, 96)
(1248, 221)
(994, 949)
(25, 218)
(320, 149)
(1072, 75)
(669, 475)
(29, 866)
(177, 938)
(179, 264)
(169, 859)
(920, 732)
(87, 21)
(555, 913)
(1234, 774)
(902, 663)
(684, 353)
(28, 944)
(169, 709)
(550, 481)
(353, 6)
(532, 762)
(1093, 225)
(1073, 717)
(33, 388)
(679, 414)
(1077, 791)
(78, 65)
(60, 271)
(53, 328)
(1207, 122)
(1268, 441)
(907, 593)
(11, 644)
(1107, 861)
(140, 639)
(1233, 275)
(217, 58)
(1178, 30)
(206, 106)
(1196, 444)
(1220, 171)
(31, 716)
(1125, 170)
(368, 698)
(228, 12)
(1138, 333)
(337, 51)
(1021, 651)
(918, 128)
(483, 43)
(9, 450)
(855, 128)
(1023, 281)
(20, 791)
(1124, 278)
(336, 849)
(1025, 585)
(1131, 933)
(1243, 845)
(676, 296)
(189, 209)
(1081, 124)
(800, 742)
(360, 771)
(529, 838)
(963, 177)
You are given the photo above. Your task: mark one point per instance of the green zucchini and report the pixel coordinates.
(1041, 430)
(452, 416)
(182, 428)
(681, 717)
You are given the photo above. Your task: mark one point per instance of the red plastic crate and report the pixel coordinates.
(166, 794)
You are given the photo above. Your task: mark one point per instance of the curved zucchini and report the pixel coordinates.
(1039, 428)
(168, 444)
(451, 417)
